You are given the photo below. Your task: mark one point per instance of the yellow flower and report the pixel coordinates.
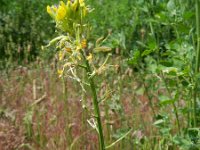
(82, 3)
(54, 8)
(61, 12)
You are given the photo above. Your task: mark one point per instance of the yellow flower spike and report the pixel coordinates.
(89, 58)
(61, 12)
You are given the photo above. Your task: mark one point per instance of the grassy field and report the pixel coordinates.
(39, 110)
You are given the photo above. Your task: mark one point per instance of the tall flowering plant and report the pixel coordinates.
(74, 50)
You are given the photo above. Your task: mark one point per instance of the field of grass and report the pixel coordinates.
(41, 111)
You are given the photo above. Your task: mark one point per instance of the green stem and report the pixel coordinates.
(95, 103)
(197, 58)
(174, 105)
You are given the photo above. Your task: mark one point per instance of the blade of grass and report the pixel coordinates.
(118, 140)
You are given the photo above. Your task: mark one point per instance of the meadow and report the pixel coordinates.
(96, 75)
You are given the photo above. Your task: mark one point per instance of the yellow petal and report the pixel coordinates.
(49, 9)
(54, 8)
(61, 12)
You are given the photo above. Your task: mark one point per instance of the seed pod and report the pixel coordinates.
(99, 40)
(102, 49)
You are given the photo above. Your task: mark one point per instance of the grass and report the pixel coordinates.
(47, 119)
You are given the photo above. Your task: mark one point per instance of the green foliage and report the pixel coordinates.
(24, 28)
(165, 57)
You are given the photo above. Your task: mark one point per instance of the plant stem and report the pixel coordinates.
(197, 59)
(174, 105)
(95, 103)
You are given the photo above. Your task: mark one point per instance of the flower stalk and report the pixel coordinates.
(197, 61)
(95, 102)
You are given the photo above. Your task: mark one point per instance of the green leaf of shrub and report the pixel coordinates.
(147, 52)
(167, 102)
